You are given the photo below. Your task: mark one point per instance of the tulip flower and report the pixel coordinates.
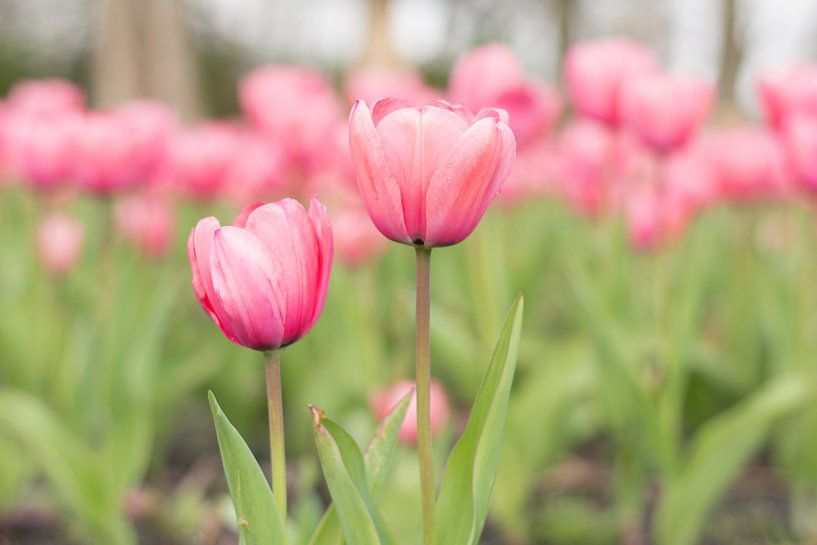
(383, 402)
(256, 171)
(800, 140)
(40, 149)
(492, 76)
(45, 97)
(427, 174)
(148, 222)
(356, 239)
(201, 157)
(788, 93)
(59, 243)
(263, 281)
(665, 110)
(595, 72)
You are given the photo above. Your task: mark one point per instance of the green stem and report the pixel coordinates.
(423, 379)
(275, 411)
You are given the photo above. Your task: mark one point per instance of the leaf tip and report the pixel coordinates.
(214, 406)
(317, 416)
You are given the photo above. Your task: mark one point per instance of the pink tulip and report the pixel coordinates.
(41, 149)
(295, 106)
(787, 93)
(148, 221)
(492, 76)
(45, 97)
(800, 140)
(383, 402)
(263, 280)
(428, 174)
(201, 157)
(152, 126)
(59, 243)
(665, 110)
(644, 219)
(595, 72)
(372, 84)
(533, 174)
(584, 165)
(357, 241)
(257, 171)
(750, 162)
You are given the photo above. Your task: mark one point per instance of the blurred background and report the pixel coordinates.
(668, 368)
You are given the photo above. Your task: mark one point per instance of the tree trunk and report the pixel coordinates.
(731, 50)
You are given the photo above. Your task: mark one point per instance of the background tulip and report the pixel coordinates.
(201, 157)
(59, 242)
(427, 174)
(148, 221)
(264, 279)
(384, 401)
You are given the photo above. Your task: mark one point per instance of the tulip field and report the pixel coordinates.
(375, 311)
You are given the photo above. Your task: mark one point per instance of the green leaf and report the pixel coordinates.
(259, 521)
(719, 452)
(345, 474)
(469, 476)
(377, 459)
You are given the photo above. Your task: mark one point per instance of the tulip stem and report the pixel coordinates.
(275, 412)
(423, 380)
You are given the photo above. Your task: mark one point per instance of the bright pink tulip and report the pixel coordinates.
(201, 157)
(800, 140)
(383, 402)
(492, 76)
(59, 243)
(295, 106)
(665, 110)
(45, 97)
(787, 93)
(372, 84)
(148, 221)
(357, 241)
(428, 174)
(264, 279)
(595, 72)
(41, 149)
(749, 162)
(152, 127)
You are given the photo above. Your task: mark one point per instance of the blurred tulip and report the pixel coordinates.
(749, 162)
(201, 157)
(787, 93)
(40, 149)
(665, 110)
(584, 164)
(595, 72)
(357, 241)
(384, 401)
(59, 243)
(492, 76)
(800, 140)
(264, 279)
(152, 126)
(644, 219)
(372, 84)
(533, 174)
(45, 97)
(256, 172)
(295, 106)
(428, 174)
(147, 221)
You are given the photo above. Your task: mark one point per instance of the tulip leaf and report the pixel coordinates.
(345, 473)
(377, 460)
(718, 453)
(259, 521)
(469, 475)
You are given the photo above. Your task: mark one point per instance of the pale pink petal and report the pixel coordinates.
(323, 232)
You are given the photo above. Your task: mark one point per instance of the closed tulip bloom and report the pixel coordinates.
(356, 239)
(40, 149)
(787, 93)
(201, 157)
(665, 110)
(384, 401)
(595, 72)
(45, 97)
(427, 174)
(257, 171)
(59, 243)
(492, 76)
(147, 221)
(800, 140)
(264, 279)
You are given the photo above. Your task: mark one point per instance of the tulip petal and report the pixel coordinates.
(248, 286)
(469, 178)
(415, 141)
(323, 231)
(376, 183)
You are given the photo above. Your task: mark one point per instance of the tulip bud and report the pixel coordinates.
(147, 221)
(384, 401)
(264, 279)
(428, 174)
(59, 243)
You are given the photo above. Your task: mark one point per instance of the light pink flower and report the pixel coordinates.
(372, 84)
(492, 76)
(257, 171)
(148, 221)
(800, 140)
(152, 127)
(665, 110)
(45, 97)
(59, 243)
(357, 241)
(428, 174)
(264, 279)
(295, 106)
(595, 72)
(384, 401)
(201, 157)
(41, 149)
(788, 92)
